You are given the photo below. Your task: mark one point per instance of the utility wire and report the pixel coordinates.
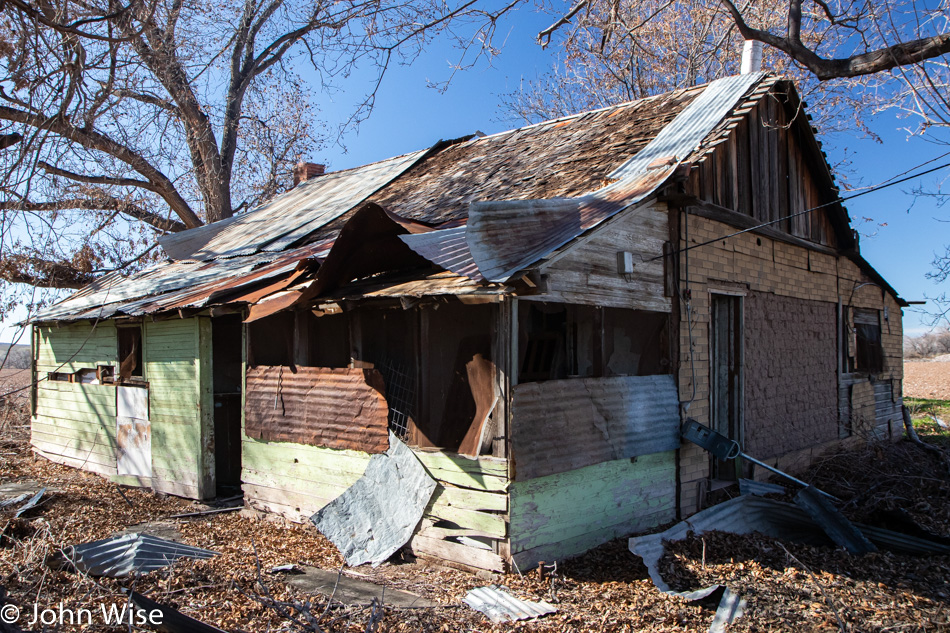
(837, 200)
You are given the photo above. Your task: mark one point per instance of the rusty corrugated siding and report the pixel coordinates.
(335, 408)
(563, 425)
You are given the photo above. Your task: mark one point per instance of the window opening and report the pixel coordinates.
(130, 352)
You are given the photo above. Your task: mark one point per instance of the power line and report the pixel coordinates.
(884, 185)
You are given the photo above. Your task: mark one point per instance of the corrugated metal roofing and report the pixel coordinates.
(173, 285)
(129, 554)
(288, 218)
(447, 248)
(501, 606)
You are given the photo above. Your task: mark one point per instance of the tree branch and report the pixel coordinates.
(887, 58)
(96, 180)
(99, 202)
(42, 273)
(94, 140)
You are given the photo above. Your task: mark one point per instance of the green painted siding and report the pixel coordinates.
(568, 513)
(74, 424)
(177, 410)
(296, 480)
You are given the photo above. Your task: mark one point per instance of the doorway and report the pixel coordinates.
(227, 383)
(726, 377)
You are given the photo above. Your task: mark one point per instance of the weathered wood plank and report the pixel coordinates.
(555, 508)
(447, 550)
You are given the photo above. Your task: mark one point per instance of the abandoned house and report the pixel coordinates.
(533, 312)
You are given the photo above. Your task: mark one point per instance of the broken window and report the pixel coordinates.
(636, 343)
(130, 352)
(868, 353)
(559, 341)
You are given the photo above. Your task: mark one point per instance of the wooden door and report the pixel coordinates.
(726, 376)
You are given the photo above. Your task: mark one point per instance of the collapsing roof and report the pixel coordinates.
(468, 206)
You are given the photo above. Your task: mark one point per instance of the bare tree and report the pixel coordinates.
(122, 121)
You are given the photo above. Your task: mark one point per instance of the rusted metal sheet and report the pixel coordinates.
(335, 408)
(174, 285)
(502, 236)
(563, 425)
(288, 218)
(835, 524)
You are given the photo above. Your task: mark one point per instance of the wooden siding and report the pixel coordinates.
(586, 272)
(562, 515)
(177, 357)
(296, 480)
(762, 170)
(74, 424)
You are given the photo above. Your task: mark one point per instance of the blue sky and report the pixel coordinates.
(899, 240)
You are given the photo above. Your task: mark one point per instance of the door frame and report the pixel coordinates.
(738, 391)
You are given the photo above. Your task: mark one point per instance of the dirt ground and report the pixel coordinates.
(927, 379)
(788, 586)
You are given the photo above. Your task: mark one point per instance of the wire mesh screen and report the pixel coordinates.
(400, 394)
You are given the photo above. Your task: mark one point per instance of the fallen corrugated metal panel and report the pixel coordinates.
(290, 217)
(742, 515)
(447, 248)
(835, 525)
(501, 606)
(499, 251)
(747, 514)
(903, 543)
(753, 487)
(563, 425)
(122, 556)
(337, 408)
(379, 513)
(29, 505)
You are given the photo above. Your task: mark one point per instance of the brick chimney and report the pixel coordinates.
(306, 171)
